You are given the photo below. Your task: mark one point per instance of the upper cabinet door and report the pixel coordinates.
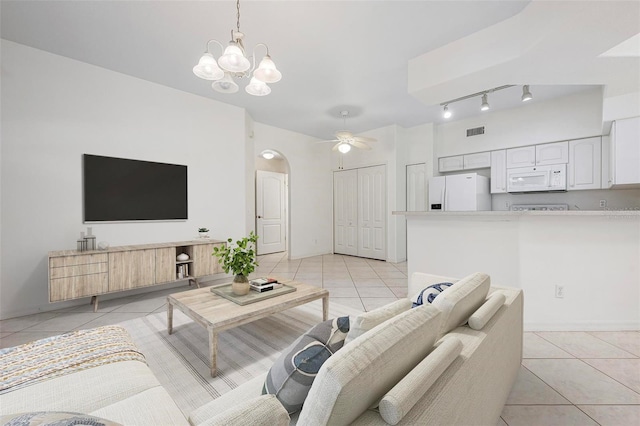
(477, 161)
(584, 164)
(499, 171)
(450, 164)
(521, 157)
(625, 144)
(552, 153)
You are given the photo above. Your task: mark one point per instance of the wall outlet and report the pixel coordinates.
(603, 203)
(559, 291)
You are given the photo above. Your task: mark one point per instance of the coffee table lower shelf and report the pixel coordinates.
(218, 314)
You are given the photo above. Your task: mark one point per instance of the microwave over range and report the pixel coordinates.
(537, 179)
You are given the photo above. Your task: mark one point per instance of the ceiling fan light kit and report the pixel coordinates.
(233, 63)
(345, 139)
(484, 106)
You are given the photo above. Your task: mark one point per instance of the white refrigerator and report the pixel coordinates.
(459, 193)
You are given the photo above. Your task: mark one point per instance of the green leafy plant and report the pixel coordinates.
(203, 229)
(241, 259)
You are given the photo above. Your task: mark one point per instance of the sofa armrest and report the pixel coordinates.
(265, 409)
(488, 309)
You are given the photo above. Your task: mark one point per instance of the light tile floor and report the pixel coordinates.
(566, 378)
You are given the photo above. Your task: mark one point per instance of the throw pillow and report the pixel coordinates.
(54, 418)
(429, 293)
(369, 320)
(292, 375)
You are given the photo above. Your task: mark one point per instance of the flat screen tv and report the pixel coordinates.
(119, 189)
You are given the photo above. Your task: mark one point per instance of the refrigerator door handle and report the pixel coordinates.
(444, 199)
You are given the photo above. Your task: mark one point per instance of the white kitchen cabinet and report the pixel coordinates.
(538, 155)
(624, 161)
(584, 164)
(478, 160)
(552, 153)
(521, 157)
(499, 171)
(451, 164)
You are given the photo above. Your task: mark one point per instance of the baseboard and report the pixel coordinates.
(584, 326)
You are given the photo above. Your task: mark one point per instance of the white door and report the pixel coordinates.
(372, 202)
(270, 212)
(345, 206)
(585, 164)
(416, 193)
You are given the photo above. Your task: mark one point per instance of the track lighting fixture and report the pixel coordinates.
(526, 94)
(485, 104)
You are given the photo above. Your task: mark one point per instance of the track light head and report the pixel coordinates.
(526, 94)
(485, 104)
(446, 113)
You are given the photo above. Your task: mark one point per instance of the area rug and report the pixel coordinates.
(180, 361)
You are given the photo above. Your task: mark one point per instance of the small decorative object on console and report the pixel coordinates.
(182, 257)
(103, 245)
(203, 232)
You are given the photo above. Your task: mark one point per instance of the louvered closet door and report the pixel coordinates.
(371, 212)
(345, 221)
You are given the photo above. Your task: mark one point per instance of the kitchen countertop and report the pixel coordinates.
(497, 213)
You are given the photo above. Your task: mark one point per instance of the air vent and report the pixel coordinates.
(476, 131)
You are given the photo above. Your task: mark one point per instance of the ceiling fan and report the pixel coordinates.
(346, 139)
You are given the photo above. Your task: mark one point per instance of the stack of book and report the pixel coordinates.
(264, 284)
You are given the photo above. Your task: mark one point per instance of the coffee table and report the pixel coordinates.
(216, 314)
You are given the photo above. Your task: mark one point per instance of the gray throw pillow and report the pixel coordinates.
(292, 375)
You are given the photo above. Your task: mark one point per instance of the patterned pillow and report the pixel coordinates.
(54, 418)
(429, 293)
(292, 375)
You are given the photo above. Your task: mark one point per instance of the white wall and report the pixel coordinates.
(310, 188)
(570, 117)
(49, 119)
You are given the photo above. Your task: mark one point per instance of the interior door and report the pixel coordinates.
(372, 202)
(345, 207)
(270, 212)
(416, 193)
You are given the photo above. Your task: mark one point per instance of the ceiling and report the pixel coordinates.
(333, 55)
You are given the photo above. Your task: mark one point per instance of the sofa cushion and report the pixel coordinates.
(293, 373)
(429, 293)
(359, 375)
(420, 280)
(54, 418)
(364, 322)
(459, 301)
(262, 410)
(401, 399)
(488, 309)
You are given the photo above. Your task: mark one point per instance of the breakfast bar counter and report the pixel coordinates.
(579, 269)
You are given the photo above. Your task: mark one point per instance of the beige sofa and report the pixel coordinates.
(419, 367)
(426, 365)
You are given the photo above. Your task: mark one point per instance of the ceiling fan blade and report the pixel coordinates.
(335, 147)
(364, 139)
(344, 134)
(360, 145)
(332, 140)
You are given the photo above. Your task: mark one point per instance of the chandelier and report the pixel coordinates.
(234, 64)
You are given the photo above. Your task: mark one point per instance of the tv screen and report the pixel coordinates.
(118, 189)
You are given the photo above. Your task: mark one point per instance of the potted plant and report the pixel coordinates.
(239, 260)
(203, 232)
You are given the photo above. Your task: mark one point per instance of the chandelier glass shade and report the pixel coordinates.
(234, 63)
(344, 148)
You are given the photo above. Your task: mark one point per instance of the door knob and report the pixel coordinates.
(259, 217)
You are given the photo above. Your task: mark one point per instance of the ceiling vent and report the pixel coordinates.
(475, 131)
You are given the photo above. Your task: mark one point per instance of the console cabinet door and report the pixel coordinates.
(165, 265)
(131, 269)
(204, 262)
